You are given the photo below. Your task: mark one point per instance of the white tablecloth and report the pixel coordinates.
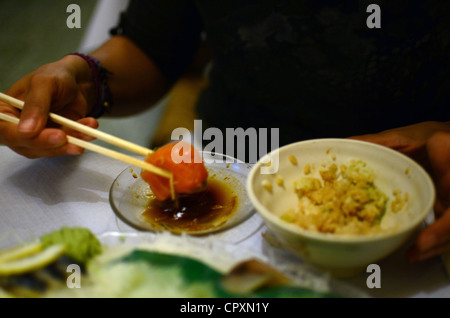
(41, 195)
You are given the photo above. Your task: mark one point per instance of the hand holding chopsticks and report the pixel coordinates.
(93, 133)
(83, 129)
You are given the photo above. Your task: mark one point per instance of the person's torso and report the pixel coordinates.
(319, 68)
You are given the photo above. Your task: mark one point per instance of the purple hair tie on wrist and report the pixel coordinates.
(103, 96)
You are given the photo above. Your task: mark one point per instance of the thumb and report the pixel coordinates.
(36, 108)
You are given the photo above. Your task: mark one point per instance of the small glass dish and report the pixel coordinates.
(130, 197)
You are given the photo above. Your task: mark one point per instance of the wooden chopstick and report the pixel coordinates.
(84, 129)
(99, 135)
(104, 151)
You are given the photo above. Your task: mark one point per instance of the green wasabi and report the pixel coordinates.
(81, 245)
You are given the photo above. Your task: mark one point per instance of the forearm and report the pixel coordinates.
(136, 82)
(67, 87)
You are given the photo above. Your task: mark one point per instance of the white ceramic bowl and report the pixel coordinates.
(339, 254)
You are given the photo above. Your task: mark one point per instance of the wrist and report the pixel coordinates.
(90, 69)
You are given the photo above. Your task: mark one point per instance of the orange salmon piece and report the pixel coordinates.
(184, 162)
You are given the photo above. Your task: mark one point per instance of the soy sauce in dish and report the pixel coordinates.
(194, 213)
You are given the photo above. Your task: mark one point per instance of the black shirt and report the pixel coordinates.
(311, 68)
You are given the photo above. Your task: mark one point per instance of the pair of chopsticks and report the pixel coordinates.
(96, 134)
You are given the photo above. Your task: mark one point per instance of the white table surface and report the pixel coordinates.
(41, 195)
